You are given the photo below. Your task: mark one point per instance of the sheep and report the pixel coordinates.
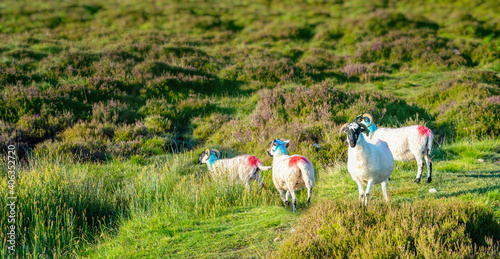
(368, 162)
(242, 168)
(290, 173)
(406, 143)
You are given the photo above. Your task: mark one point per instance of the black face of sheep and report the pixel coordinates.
(205, 155)
(353, 130)
(200, 159)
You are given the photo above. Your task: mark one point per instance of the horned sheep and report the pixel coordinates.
(368, 162)
(406, 143)
(243, 168)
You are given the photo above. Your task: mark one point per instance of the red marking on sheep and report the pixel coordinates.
(296, 159)
(253, 161)
(424, 131)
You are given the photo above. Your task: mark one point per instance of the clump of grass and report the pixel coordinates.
(63, 207)
(425, 228)
(463, 108)
(60, 209)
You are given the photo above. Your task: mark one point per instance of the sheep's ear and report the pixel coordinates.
(286, 142)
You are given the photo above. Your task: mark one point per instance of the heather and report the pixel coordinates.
(109, 103)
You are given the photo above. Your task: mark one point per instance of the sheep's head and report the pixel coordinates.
(364, 118)
(205, 155)
(277, 145)
(353, 130)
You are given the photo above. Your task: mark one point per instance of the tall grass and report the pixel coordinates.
(64, 206)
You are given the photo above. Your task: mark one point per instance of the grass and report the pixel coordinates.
(168, 206)
(110, 103)
(244, 232)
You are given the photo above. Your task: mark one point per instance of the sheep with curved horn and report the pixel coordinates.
(406, 143)
(244, 168)
(368, 162)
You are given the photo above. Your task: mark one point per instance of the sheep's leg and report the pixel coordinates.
(420, 164)
(281, 196)
(309, 193)
(361, 191)
(294, 201)
(259, 180)
(368, 189)
(384, 190)
(287, 202)
(428, 161)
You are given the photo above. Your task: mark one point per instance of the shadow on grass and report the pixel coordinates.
(471, 191)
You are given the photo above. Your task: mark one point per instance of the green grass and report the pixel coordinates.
(170, 207)
(244, 232)
(110, 103)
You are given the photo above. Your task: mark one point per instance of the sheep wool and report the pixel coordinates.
(406, 143)
(368, 162)
(290, 173)
(244, 168)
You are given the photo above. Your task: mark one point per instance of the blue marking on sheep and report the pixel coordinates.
(212, 159)
(372, 127)
(280, 148)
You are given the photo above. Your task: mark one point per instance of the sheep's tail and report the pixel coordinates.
(307, 172)
(308, 176)
(263, 168)
(427, 135)
(428, 145)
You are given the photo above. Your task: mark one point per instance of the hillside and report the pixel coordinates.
(109, 105)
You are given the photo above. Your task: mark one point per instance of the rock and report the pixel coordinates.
(480, 160)
(433, 190)
(277, 239)
(456, 51)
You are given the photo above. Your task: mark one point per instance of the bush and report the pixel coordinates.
(427, 228)
(113, 111)
(463, 108)
(157, 124)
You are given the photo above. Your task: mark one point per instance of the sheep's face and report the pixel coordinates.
(209, 156)
(203, 158)
(353, 130)
(277, 146)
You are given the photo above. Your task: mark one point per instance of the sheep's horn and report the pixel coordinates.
(206, 151)
(370, 117)
(366, 128)
(342, 128)
(358, 119)
(217, 152)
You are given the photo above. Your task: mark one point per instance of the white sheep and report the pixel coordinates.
(242, 168)
(290, 173)
(406, 143)
(368, 162)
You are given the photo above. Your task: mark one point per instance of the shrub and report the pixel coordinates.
(427, 228)
(463, 108)
(157, 124)
(113, 111)
(81, 150)
(205, 127)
